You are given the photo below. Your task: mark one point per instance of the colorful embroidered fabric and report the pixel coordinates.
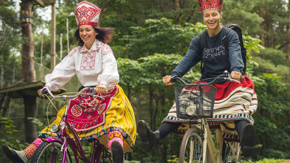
(210, 5)
(119, 117)
(114, 136)
(87, 13)
(86, 112)
(30, 150)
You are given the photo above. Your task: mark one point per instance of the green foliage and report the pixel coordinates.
(153, 37)
(252, 44)
(272, 116)
(241, 12)
(277, 57)
(8, 134)
(9, 44)
(38, 122)
(266, 160)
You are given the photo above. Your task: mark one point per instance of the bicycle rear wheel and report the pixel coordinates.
(191, 150)
(233, 153)
(49, 152)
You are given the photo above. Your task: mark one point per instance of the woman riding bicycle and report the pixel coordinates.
(234, 103)
(111, 121)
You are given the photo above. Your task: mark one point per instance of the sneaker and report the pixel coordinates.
(148, 138)
(14, 155)
(248, 140)
(117, 152)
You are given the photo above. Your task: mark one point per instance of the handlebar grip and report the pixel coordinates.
(44, 92)
(242, 78)
(173, 79)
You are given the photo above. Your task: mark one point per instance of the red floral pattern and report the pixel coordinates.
(86, 112)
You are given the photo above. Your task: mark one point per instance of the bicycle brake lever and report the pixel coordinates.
(234, 80)
(92, 92)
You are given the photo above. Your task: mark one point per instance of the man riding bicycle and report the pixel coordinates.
(234, 102)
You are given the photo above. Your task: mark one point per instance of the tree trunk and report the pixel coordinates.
(151, 106)
(28, 72)
(262, 36)
(5, 107)
(30, 111)
(176, 6)
(288, 36)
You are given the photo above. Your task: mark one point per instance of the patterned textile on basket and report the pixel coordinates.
(191, 99)
(233, 102)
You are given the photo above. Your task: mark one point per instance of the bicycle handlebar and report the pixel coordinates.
(225, 76)
(92, 94)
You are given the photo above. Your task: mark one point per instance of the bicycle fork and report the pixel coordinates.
(64, 150)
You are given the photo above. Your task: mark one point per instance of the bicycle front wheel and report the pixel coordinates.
(233, 152)
(49, 152)
(191, 150)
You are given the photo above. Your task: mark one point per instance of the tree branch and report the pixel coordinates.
(284, 44)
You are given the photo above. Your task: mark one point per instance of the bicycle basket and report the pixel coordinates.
(194, 101)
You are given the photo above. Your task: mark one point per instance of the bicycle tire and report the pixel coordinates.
(229, 155)
(40, 155)
(194, 154)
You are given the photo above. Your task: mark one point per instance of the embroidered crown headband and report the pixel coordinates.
(87, 13)
(210, 5)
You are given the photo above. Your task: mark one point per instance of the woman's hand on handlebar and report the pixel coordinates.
(166, 80)
(100, 89)
(42, 92)
(237, 76)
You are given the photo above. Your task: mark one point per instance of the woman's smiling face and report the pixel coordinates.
(88, 35)
(212, 18)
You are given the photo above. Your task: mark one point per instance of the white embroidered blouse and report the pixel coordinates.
(97, 66)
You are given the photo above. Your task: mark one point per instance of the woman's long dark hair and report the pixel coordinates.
(104, 35)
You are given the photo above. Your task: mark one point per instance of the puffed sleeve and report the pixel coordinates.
(110, 76)
(62, 72)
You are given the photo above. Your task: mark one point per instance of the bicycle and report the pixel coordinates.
(196, 101)
(56, 149)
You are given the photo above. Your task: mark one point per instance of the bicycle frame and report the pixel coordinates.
(75, 144)
(208, 143)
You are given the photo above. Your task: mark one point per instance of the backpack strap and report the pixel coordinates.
(225, 38)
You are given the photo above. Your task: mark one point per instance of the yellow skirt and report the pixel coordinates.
(119, 117)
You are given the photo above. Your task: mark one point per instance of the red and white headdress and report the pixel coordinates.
(210, 5)
(87, 13)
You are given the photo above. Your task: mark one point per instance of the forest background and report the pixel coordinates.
(150, 38)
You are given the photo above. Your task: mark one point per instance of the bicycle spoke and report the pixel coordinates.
(50, 153)
(191, 147)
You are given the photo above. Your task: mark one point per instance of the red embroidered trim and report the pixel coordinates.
(106, 49)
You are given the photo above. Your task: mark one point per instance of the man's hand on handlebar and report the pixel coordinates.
(237, 76)
(100, 89)
(166, 80)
